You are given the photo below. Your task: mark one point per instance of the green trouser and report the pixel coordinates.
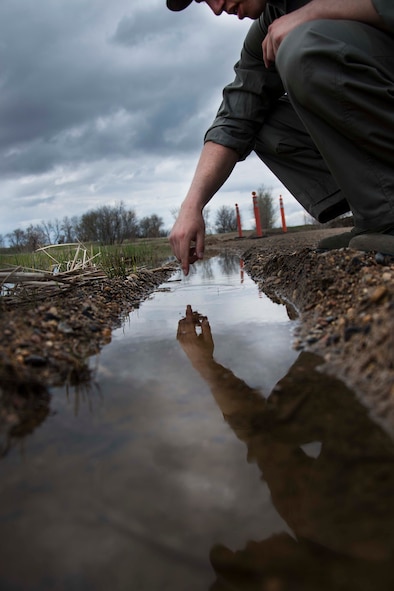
(330, 140)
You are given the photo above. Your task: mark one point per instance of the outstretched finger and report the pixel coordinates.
(200, 245)
(184, 258)
(206, 331)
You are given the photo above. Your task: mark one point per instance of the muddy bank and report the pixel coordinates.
(344, 301)
(48, 343)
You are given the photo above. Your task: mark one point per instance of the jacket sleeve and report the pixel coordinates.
(249, 97)
(385, 8)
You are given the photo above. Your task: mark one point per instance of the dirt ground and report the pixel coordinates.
(343, 301)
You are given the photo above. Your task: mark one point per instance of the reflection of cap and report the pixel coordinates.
(178, 4)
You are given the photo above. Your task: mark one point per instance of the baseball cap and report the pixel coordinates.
(178, 4)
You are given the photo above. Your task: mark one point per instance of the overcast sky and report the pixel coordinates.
(102, 102)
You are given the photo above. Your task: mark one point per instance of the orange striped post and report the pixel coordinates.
(239, 226)
(282, 213)
(241, 268)
(257, 215)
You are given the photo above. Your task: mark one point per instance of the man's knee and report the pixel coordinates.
(305, 58)
(315, 55)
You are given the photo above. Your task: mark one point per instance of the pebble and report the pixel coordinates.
(378, 294)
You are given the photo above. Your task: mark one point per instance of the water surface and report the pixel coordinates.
(186, 465)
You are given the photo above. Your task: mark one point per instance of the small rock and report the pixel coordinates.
(64, 328)
(378, 294)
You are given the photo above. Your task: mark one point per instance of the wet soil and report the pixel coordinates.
(343, 300)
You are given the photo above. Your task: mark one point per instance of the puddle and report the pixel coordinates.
(208, 455)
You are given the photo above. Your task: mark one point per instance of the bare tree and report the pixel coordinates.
(17, 239)
(107, 225)
(35, 237)
(47, 229)
(68, 229)
(130, 225)
(87, 227)
(265, 202)
(151, 227)
(26, 240)
(226, 220)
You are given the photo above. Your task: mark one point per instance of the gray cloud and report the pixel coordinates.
(99, 100)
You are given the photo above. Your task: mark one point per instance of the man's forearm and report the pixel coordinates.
(213, 169)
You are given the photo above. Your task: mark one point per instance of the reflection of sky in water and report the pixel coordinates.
(147, 480)
(252, 334)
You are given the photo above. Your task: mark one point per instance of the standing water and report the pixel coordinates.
(207, 455)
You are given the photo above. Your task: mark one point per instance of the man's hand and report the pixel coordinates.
(188, 234)
(277, 31)
(187, 238)
(198, 347)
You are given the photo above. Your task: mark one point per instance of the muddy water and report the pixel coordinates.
(207, 455)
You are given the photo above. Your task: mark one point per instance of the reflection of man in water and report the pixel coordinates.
(338, 501)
